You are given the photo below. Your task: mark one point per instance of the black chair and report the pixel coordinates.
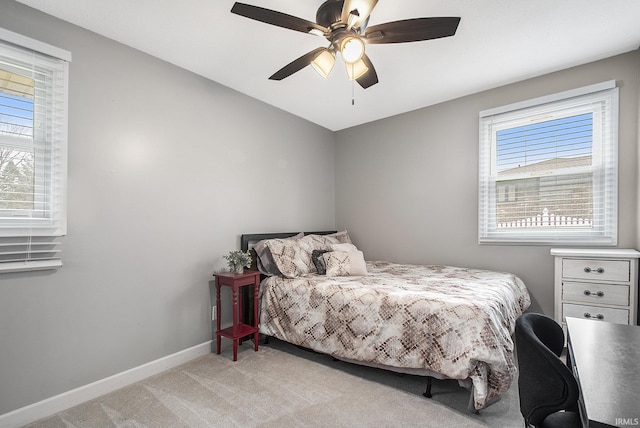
(548, 390)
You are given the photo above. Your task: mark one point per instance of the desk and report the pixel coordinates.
(605, 358)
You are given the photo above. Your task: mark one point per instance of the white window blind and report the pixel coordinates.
(33, 152)
(548, 169)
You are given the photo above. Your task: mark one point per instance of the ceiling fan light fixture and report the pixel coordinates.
(354, 17)
(352, 49)
(345, 25)
(323, 63)
(356, 70)
(355, 13)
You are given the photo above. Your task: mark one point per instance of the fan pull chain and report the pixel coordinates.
(353, 97)
(353, 85)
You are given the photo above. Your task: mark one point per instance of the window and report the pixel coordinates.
(33, 152)
(548, 169)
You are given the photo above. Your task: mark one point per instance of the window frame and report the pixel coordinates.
(28, 242)
(49, 140)
(590, 99)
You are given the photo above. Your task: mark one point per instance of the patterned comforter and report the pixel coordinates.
(454, 321)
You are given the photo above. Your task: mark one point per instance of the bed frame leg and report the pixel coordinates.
(472, 403)
(427, 392)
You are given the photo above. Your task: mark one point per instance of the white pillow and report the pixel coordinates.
(345, 263)
(346, 247)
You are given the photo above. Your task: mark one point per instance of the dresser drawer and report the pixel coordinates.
(618, 316)
(595, 294)
(600, 270)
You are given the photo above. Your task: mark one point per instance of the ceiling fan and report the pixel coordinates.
(344, 24)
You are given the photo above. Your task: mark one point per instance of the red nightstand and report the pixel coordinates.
(238, 330)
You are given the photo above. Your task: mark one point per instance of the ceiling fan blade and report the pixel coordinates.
(364, 8)
(412, 30)
(370, 78)
(278, 19)
(296, 65)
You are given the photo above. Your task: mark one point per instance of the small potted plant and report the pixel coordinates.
(238, 260)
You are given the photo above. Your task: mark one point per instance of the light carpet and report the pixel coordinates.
(283, 386)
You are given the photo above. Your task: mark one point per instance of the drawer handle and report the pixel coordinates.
(589, 270)
(589, 316)
(597, 293)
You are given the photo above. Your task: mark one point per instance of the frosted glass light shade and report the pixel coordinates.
(352, 49)
(356, 70)
(323, 63)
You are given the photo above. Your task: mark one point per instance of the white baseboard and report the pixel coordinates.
(66, 400)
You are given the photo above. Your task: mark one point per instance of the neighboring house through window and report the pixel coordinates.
(548, 169)
(33, 152)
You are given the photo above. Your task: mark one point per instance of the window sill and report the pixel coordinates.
(30, 266)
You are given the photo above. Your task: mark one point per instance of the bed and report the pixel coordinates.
(443, 322)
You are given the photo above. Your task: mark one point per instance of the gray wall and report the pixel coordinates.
(166, 170)
(407, 186)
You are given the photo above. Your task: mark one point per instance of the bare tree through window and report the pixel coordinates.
(17, 158)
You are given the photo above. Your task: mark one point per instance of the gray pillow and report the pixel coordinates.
(318, 260)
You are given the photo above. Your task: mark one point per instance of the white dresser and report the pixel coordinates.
(599, 284)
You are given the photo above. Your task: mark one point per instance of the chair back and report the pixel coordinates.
(546, 385)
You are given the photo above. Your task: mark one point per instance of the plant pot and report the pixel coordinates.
(238, 269)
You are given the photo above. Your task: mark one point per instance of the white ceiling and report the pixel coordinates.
(498, 42)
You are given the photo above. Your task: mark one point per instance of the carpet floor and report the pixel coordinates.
(283, 386)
